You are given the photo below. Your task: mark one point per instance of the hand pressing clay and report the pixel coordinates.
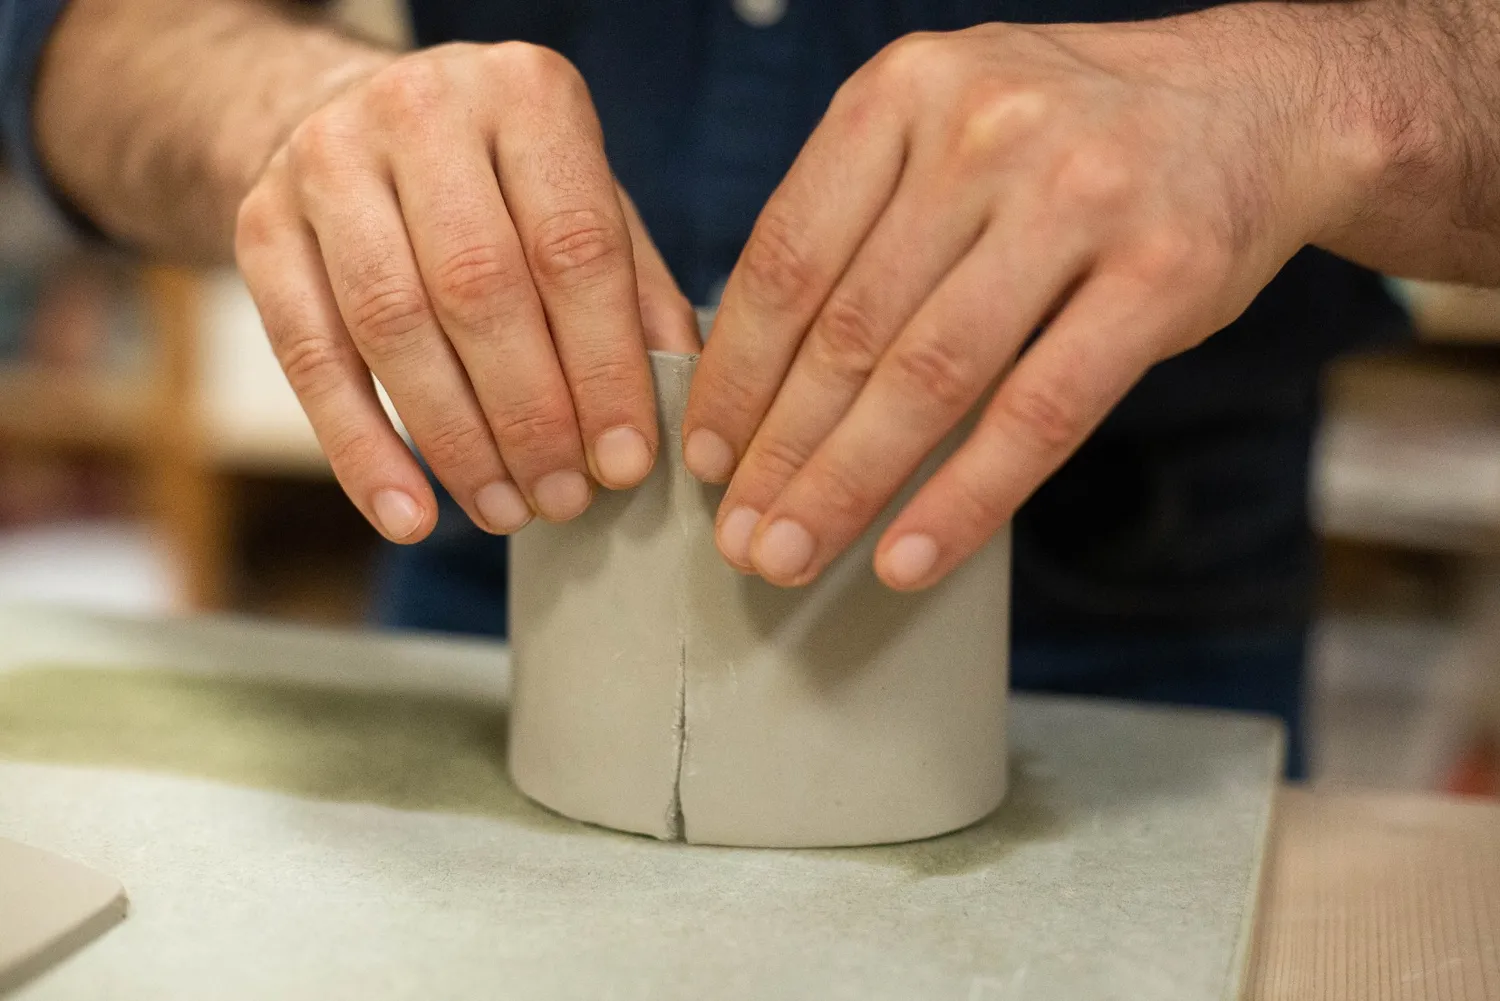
(661, 692)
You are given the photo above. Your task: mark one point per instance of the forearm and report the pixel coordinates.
(1401, 100)
(154, 117)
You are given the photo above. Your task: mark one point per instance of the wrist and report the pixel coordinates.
(1289, 143)
(153, 119)
(314, 69)
(1296, 71)
(1387, 108)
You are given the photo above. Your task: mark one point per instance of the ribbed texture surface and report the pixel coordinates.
(1389, 898)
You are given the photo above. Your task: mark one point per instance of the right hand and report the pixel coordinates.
(450, 224)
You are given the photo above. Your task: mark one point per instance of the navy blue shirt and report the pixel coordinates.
(24, 27)
(1186, 510)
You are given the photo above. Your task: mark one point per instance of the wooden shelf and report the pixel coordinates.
(1453, 314)
(46, 408)
(1409, 453)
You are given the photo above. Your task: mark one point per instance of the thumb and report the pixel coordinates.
(666, 315)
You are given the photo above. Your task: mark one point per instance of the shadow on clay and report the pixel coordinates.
(836, 652)
(612, 513)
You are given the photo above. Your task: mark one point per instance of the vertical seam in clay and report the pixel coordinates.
(676, 822)
(676, 828)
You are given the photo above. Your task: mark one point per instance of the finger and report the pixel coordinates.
(877, 295)
(384, 305)
(667, 318)
(562, 197)
(938, 368)
(1110, 332)
(476, 274)
(284, 272)
(800, 246)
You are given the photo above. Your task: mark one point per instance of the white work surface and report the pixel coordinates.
(1125, 865)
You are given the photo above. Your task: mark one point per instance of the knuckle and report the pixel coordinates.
(384, 312)
(998, 118)
(938, 371)
(467, 283)
(318, 146)
(856, 101)
(449, 52)
(350, 448)
(409, 90)
(776, 458)
(537, 428)
(848, 338)
(775, 271)
(1045, 413)
(606, 381)
(910, 61)
(728, 394)
(313, 365)
(1169, 256)
(1095, 176)
(255, 224)
(530, 67)
(578, 246)
(975, 507)
(842, 497)
(456, 443)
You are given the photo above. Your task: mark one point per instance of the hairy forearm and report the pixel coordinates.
(154, 117)
(1401, 98)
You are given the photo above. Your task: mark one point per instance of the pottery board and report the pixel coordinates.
(1124, 864)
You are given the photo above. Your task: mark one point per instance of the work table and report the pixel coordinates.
(314, 844)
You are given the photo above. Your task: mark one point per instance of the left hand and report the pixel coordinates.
(1118, 185)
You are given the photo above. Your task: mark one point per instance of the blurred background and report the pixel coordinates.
(152, 459)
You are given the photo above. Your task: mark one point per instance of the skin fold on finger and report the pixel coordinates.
(478, 281)
(284, 272)
(805, 238)
(554, 177)
(878, 294)
(1110, 332)
(955, 347)
(667, 318)
(384, 305)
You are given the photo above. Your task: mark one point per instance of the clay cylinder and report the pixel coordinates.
(657, 690)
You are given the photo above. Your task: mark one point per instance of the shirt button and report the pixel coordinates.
(760, 13)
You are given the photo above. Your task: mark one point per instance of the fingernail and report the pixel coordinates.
(735, 532)
(909, 560)
(784, 551)
(398, 514)
(562, 495)
(502, 507)
(708, 456)
(622, 457)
